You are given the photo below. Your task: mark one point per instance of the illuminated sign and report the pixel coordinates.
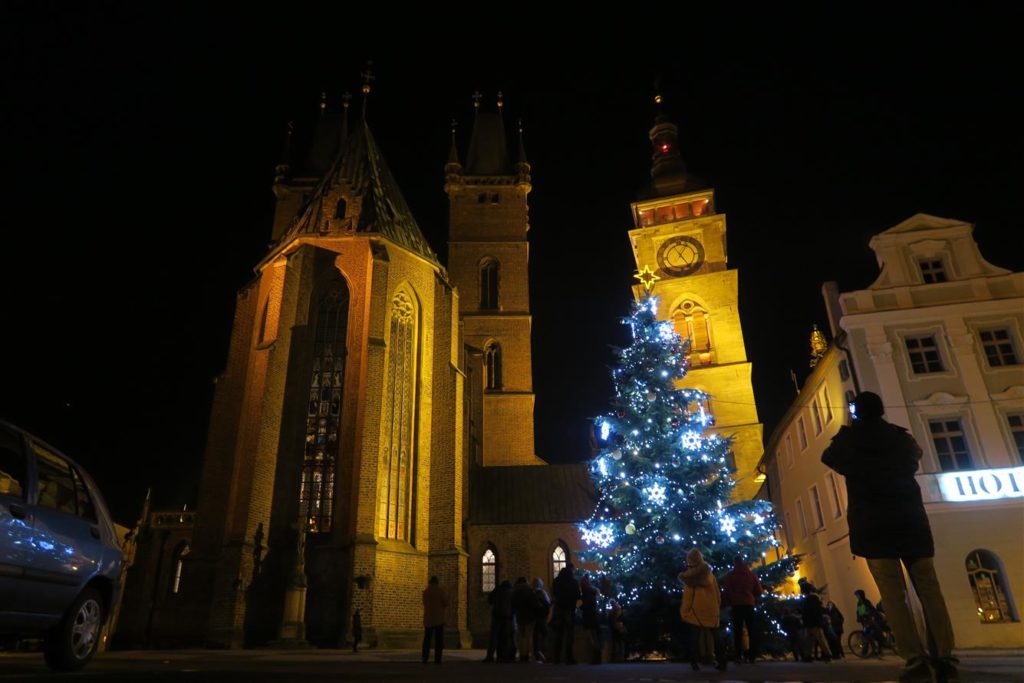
(982, 484)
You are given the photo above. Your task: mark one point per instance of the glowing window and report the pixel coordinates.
(991, 593)
(559, 558)
(489, 566)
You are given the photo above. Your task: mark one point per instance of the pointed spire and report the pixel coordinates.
(522, 165)
(346, 98)
(668, 172)
(453, 153)
(521, 152)
(368, 78)
(818, 345)
(488, 152)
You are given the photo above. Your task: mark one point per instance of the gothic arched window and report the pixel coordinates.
(323, 417)
(489, 570)
(492, 362)
(559, 558)
(340, 208)
(396, 499)
(489, 272)
(988, 582)
(182, 550)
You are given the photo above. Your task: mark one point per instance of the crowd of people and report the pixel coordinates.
(888, 527)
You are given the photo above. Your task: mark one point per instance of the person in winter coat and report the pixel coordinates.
(836, 619)
(500, 643)
(566, 590)
(889, 527)
(589, 615)
(740, 590)
(524, 606)
(435, 601)
(540, 627)
(700, 608)
(814, 622)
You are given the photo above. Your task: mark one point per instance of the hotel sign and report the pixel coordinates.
(982, 484)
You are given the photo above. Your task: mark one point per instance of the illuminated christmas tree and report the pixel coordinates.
(664, 485)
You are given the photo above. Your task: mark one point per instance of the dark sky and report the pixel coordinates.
(139, 144)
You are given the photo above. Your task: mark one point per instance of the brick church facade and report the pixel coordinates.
(375, 403)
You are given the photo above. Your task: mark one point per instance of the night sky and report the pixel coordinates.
(139, 145)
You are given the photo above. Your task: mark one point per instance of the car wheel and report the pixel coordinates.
(72, 642)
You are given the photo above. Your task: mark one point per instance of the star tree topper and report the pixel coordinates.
(646, 276)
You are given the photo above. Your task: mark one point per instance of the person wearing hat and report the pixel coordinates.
(889, 527)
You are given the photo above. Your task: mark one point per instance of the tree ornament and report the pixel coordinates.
(617, 454)
(659, 539)
(630, 529)
(651, 396)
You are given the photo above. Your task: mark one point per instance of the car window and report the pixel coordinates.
(86, 508)
(56, 487)
(12, 464)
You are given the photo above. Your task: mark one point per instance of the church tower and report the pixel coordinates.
(680, 238)
(488, 261)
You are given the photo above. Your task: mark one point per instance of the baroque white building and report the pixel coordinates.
(938, 336)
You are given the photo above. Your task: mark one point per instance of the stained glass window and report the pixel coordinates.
(323, 415)
(988, 582)
(399, 449)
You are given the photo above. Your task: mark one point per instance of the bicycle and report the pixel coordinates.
(863, 645)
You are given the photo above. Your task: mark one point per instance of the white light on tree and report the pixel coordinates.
(728, 525)
(656, 493)
(691, 440)
(602, 536)
(605, 431)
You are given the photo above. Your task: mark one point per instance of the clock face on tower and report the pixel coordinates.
(680, 256)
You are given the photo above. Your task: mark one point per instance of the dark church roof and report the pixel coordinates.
(488, 148)
(531, 494)
(361, 170)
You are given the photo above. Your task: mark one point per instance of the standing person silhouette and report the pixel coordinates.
(889, 527)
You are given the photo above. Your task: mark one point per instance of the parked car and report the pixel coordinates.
(60, 562)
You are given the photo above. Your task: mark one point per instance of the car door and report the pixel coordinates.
(15, 520)
(67, 536)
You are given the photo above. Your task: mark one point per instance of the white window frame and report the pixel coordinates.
(826, 404)
(803, 518)
(814, 496)
(789, 452)
(816, 414)
(835, 497)
(802, 433)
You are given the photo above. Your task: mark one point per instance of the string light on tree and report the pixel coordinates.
(657, 440)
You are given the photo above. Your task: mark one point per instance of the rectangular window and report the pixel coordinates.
(56, 487)
(802, 433)
(803, 518)
(933, 270)
(950, 444)
(836, 500)
(924, 354)
(13, 479)
(825, 405)
(998, 347)
(816, 414)
(819, 517)
(789, 451)
(1017, 430)
(789, 531)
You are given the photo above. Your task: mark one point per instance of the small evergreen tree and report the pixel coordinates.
(664, 487)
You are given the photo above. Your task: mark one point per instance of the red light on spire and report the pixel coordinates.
(664, 147)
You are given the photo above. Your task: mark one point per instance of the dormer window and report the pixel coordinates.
(933, 270)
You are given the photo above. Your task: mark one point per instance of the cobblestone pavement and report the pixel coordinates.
(373, 666)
